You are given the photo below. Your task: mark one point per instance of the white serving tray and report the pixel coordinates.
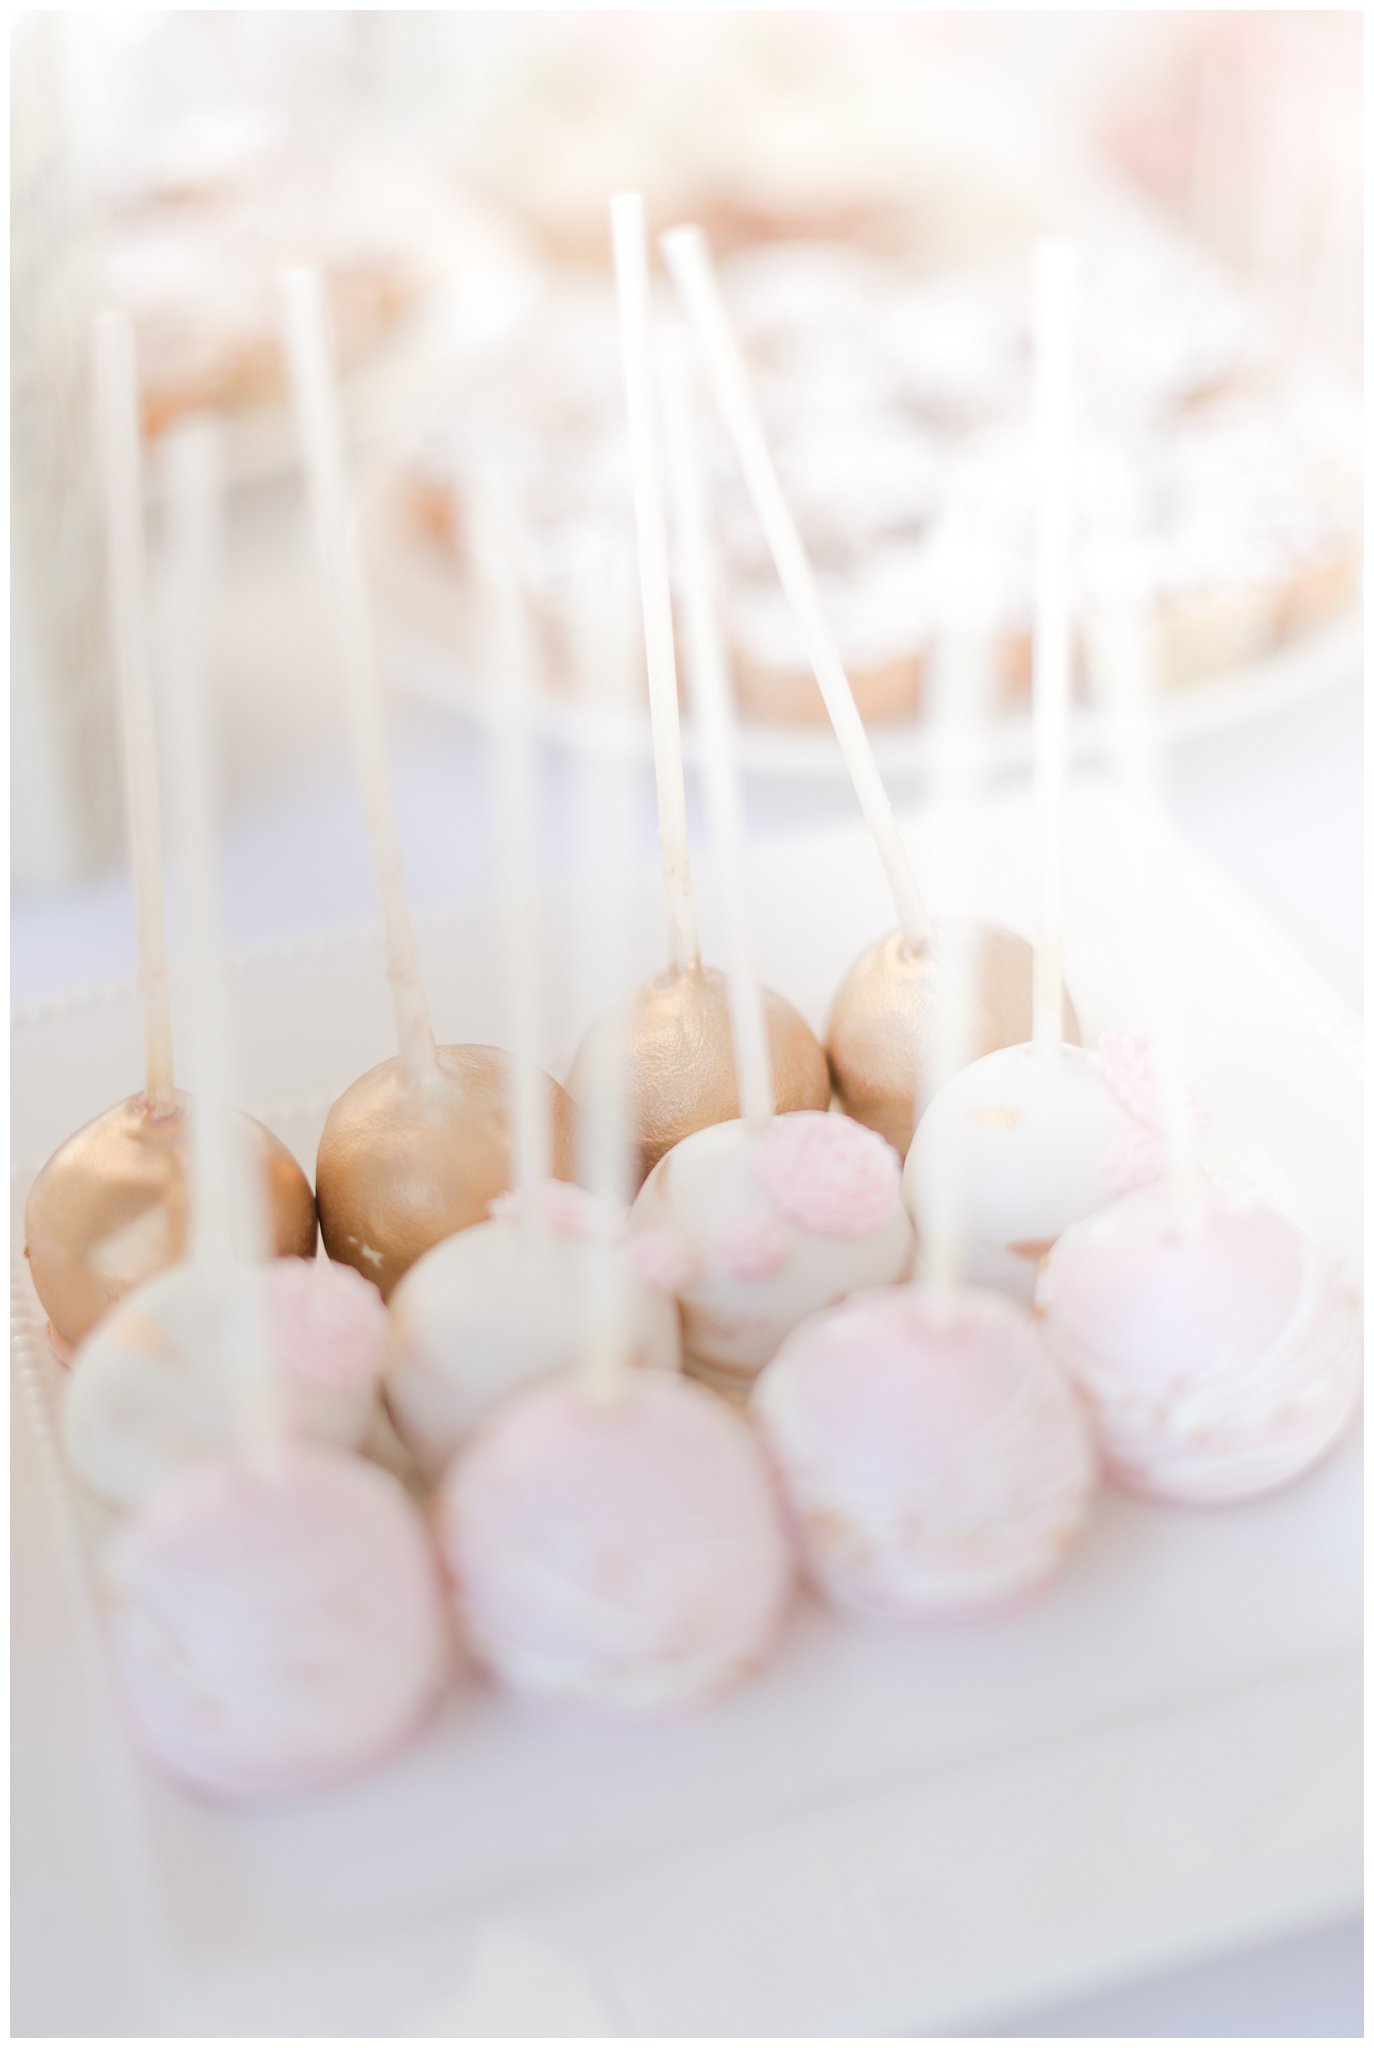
(890, 1831)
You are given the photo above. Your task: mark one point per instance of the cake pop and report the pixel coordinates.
(417, 1147)
(1220, 1355)
(933, 1455)
(625, 1552)
(150, 1391)
(497, 1306)
(773, 1215)
(612, 1535)
(276, 1630)
(675, 1029)
(881, 1012)
(1040, 1144)
(109, 1208)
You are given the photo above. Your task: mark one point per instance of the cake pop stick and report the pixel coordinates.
(419, 1146)
(1054, 317)
(632, 287)
(604, 1133)
(109, 1208)
(688, 259)
(507, 654)
(960, 679)
(673, 1037)
(226, 1198)
(122, 490)
(221, 1356)
(501, 1305)
(711, 695)
(878, 1035)
(317, 406)
(774, 1215)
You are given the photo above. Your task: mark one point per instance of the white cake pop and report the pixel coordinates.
(628, 1553)
(152, 1391)
(1038, 1142)
(761, 1228)
(276, 1630)
(934, 1457)
(494, 1308)
(1220, 1356)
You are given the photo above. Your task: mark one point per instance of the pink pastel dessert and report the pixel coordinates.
(151, 1389)
(1037, 1140)
(934, 1457)
(1220, 1361)
(276, 1631)
(770, 1226)
(627, 1552)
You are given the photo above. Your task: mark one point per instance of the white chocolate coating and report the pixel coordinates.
(934, 1457)
(630, 1554)
(490, 1311)
(770, 1227)
(275, 1633)
(1219, 1364)
(1031, 1144)
(150, 1390)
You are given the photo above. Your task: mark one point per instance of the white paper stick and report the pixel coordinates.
(1055, 317)
(689, 260)
(606, 803)
(1121, 653)
(507, 659)
(117, 436)
(715, 713)
(317, 407)
(632, 287)
(961, 676)
(228, 1201)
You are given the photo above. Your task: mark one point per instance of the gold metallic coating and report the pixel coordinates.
(110, 1209)
(403, 1164)
(681, 1065)
(880, 1032)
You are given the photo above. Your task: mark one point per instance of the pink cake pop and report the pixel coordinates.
(933, 1455)
(626, 1552)
(275, 1631)
(1220, 1356)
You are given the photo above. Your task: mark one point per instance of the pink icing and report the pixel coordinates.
(751, 1247)
(329, 1322)
(1135, 1157)
(570, 1210)
(828, 1174)
(664, 1258)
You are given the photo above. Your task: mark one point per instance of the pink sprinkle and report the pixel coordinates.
(571, 1210)
(752, 1247)
(828, 1174)
(664, 1258)
(1128, 1068)
(329, 1322)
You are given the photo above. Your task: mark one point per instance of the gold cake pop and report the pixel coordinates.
(880, 1036)
(110, 1210)
(680, 1063)
(404, 1163)
(673, 1033)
